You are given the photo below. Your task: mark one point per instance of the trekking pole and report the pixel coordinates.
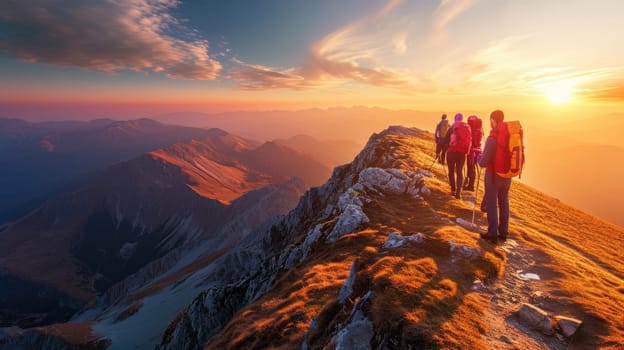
(431, 165)
(476, 194)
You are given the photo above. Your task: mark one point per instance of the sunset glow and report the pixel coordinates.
(437, 55)
(560, 92)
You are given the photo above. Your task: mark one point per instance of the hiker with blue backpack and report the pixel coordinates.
(503, 156)
(458, 140)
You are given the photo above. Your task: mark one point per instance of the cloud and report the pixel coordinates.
(399, 40)
(258, 77)
(349, 54)
(107, 36)
(446, 12)
(614, 93)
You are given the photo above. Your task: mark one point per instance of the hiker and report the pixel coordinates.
(440, 134)
(458, 140)
(502, 164)
(476, 126)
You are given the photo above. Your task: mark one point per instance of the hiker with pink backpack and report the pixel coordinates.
(476, 127)
(503, 156)
(458, 140)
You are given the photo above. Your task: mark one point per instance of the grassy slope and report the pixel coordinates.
(422, 294)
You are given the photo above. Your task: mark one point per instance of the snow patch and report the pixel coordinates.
(528, 276)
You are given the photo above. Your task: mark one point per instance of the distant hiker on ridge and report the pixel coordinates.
(476, 126)
(503, 156)
(458, 140)
(440, 135)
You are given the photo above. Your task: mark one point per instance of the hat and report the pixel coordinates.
(497, 116)
(459, 117)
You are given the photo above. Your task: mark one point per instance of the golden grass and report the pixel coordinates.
(422, 294)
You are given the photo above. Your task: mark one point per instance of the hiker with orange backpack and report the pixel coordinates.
(476, 126)
(458, 140)
(503, 156)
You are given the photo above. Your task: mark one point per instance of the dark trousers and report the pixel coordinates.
(497, 205)
(456, 162)
(471, 162)
(440, 152)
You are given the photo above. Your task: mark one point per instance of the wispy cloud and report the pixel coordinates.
(259, 77)
(611, 92)
(446, 12)
(349, 54)
(504, 67)
(107, 36)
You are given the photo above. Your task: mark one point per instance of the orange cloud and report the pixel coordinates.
(347, 54)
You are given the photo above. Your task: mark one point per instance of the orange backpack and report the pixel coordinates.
(509, 158)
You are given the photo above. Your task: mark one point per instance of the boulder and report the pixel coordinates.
(464, 251)
(349, 221)
(536, 318)
(396, 240)
(568, 325)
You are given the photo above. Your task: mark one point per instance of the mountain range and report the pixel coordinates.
(378, 256)
(106, 226)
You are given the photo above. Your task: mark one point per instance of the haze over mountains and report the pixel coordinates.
(39, 158)
(584, 146)
(99, 230)
(577, 150)
(375, 257)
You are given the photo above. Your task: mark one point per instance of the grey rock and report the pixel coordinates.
(396, 240)
(536, 318)
(347, 288)
(349, 221)
(568, 325)
(464, 251)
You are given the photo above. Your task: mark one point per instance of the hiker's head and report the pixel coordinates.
(496, 117)
(459, 117)
(443, 116)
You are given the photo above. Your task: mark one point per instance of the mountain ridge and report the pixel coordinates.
(377, 257)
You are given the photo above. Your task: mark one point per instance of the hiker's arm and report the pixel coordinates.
(488, 152)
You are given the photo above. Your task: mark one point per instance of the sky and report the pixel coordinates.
(216, 55)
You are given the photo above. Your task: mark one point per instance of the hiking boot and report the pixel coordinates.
(502, 239)
(456, 195)
(488, 238)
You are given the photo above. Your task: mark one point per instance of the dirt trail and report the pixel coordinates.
(520, 283)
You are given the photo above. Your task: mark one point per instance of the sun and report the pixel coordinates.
(559, 92)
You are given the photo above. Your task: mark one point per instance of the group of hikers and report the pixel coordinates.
(503, 157)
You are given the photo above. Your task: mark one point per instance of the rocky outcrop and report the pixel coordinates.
(536, 318)
(328, 212)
